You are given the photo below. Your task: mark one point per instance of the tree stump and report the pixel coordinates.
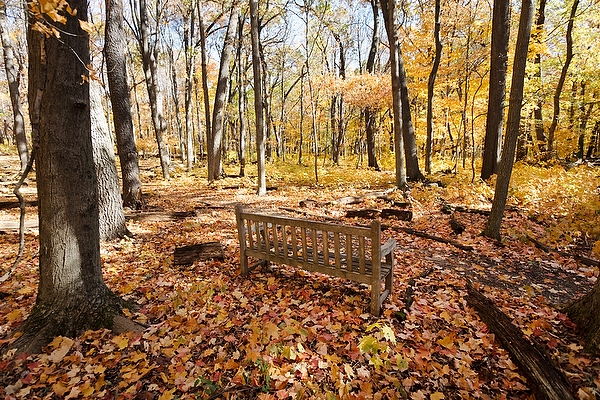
(187, 255)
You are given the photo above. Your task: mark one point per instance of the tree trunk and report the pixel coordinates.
(540, 135)
(492, 228)
(112, 219)
(301, 127)
(242, 96)
(413, 172)
(215, 139)
(190, 57)
(431, 87)
(175, 96)
(370, 113)
(497, 93)
(116, 66)
(72, 296)
(389, 9)
(258, 98)
(12, 76)
(204, 68)
(561, 80)
(149, 62)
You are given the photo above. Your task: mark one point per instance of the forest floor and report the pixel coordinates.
(285, 333)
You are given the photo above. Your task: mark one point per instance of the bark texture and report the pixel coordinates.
(72, 296)
(116, 66)
(492, 227)
(112, 219)
(497, 91)
(216, 136)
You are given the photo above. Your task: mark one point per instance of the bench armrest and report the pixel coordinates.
(388, 247)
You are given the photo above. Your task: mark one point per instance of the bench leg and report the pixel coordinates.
(389, 279)
(376, 298)
(244, 264)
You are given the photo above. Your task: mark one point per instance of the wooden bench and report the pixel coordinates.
(344, 251)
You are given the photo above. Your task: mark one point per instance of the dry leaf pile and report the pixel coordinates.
(287, 334)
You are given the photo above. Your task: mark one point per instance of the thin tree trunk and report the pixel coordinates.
(431, 87)
(242, 96)
(190, 57)
(389, 9)
(12, 76)
(204, 67)
(540, 135)
(215, 141)
(492, 228)
(149, 62)
(561, 80)
(175, 89)
(301, 128)
(369, 113)
(258, 98)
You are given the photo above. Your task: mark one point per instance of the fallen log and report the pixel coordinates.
(428, 236)
(402, 215)
(361, 198)
(371, 213)
(187, 255)
(546, 379)
(582, 259)
(159, 216)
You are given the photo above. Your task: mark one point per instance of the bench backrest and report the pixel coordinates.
(304, 242)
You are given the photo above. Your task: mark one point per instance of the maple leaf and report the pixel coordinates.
(62, 345)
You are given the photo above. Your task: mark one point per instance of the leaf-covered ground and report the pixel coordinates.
(284, 333)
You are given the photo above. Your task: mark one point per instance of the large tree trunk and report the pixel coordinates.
(149, 62)
(497, 92)
(585, 313)
(563, 77)
(492, 227)
(72, 296)
(12, 76)
(116, 66)
(215, 139)
(112, 219)
(258, 98)
(431, 86)
(389, 9)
